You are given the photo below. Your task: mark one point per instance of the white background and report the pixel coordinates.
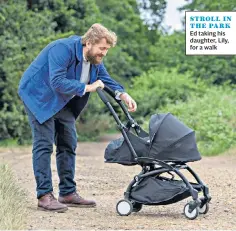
(230, 34)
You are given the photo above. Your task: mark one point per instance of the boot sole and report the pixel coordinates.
(54, 210)
(80, 206)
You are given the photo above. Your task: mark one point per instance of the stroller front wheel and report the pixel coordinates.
(124, 207)
(190, 214)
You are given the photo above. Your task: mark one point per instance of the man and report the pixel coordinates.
(55, 89)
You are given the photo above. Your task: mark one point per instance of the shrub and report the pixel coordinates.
(94, 120)
(212, 116)
(157, 88)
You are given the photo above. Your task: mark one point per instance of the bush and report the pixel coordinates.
(94, 120)
(212, 116)
(94, 127)
(15, 124)
(157, 88)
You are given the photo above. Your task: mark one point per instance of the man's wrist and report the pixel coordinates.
(87, 88)
(118, 94)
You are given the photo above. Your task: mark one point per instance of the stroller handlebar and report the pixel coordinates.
(131, 122)
(102, 95)
(110, 91)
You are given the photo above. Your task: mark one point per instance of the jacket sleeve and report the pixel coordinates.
(107, 80)
(59, 58)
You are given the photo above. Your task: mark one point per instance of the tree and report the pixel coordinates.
(135, 39)
(152, 12)
(209, 5)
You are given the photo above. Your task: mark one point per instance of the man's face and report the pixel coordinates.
(96, 52)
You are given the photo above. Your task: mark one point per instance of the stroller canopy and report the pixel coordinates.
(170, 139)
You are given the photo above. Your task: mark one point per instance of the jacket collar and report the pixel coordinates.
(79, 49)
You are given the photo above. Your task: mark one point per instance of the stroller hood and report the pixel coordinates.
(170, 139)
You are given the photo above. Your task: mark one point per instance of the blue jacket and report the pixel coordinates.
(53, 79)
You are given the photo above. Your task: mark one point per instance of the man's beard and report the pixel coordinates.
(93, 58)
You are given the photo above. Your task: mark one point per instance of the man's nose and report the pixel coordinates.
(104, 53)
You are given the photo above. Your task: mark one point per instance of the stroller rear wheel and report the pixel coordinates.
(191, 213)
(204, 209)
(137, 207)
(124, 207)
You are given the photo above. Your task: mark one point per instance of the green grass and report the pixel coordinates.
(9, 143)
(12, 201)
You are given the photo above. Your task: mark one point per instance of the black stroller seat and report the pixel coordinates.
(168, 140)
(162, 153)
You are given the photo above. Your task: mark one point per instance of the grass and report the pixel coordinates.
(12, 201)
(230, 152)
(14, 143)
(8, 143)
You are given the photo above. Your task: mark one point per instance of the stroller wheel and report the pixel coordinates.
(204, 209)
(124, 207)
(137, 207)
(190, 214)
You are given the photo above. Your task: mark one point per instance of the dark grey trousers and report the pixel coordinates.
(61, 130)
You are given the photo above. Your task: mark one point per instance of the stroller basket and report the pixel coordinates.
(160, 191)
(168, 140)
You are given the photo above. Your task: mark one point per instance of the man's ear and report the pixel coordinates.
(88, 44)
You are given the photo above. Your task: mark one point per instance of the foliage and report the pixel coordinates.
(70, 15)
(19, 43)
(152, 12)
(212, 116)
(158, 88)
(92, 122)
(209, 5)
(134, 38)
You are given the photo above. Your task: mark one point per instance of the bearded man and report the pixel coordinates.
(54, 89)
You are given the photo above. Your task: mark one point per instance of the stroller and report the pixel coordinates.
(162, 154)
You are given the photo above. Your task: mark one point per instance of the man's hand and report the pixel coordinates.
(93, 87)
(132, 106)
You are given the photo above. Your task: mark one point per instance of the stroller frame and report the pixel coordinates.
(153, 167)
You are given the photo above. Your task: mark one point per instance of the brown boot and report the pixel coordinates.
(74, 200)
(49, 203)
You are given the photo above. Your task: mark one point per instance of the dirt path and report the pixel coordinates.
(106, 183)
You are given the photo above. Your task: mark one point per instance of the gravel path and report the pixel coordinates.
(106, 183)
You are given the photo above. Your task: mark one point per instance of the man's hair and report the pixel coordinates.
(97, 32)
